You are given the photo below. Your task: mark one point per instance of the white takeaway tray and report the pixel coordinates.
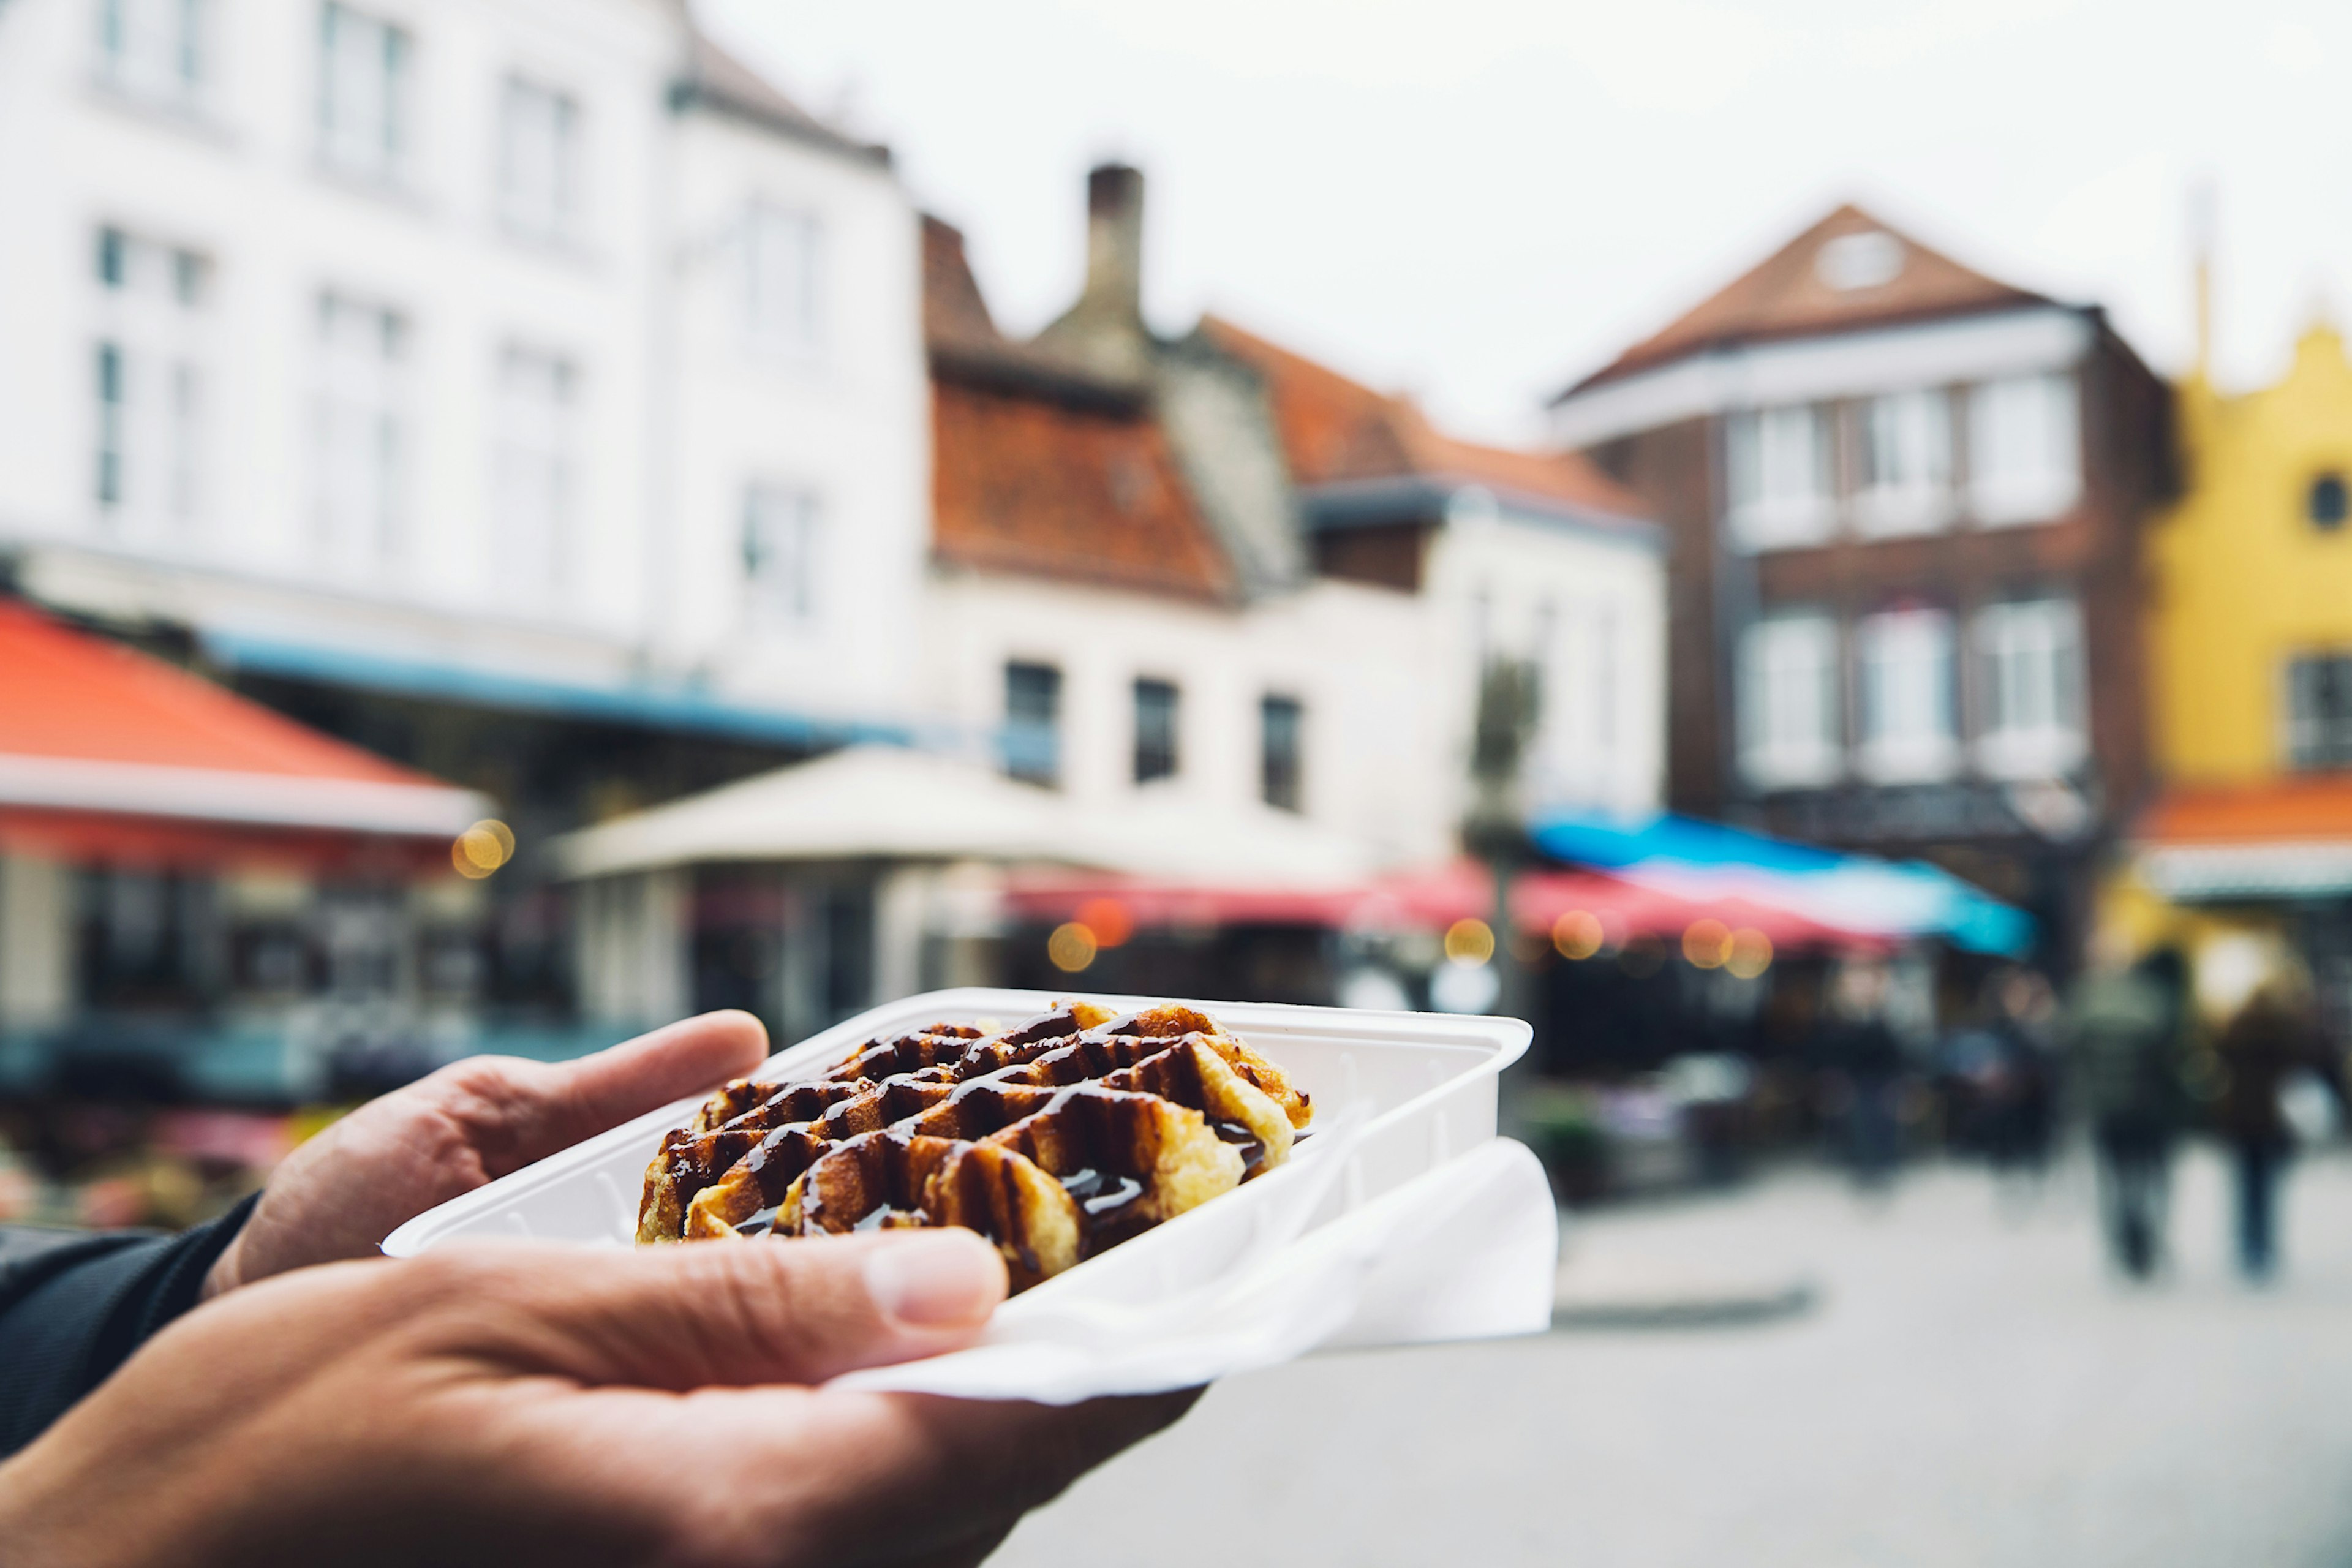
(1401, 1218)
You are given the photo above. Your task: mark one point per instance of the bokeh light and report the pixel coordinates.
(1751, 952)
(1706, 943)
(1469, 941)
(1108, 920)
(1071, 947)
(1577, 934)
(482, 849)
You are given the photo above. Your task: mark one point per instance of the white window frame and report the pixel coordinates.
(784, 281)
(1777, 485)
(1791, 715)
(2025, 448)
(2315, 739)
(1904, 450)
(535, 475)
(540, 158)
(1907, 686)
(151, 382)
(2033, 692)
(361, 436)
(367, 68)
(783, 557)
(158, 51)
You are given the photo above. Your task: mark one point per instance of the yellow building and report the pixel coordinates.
(2251, 620)
(2245, 861)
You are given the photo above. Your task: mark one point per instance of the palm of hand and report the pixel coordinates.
(555, 1403)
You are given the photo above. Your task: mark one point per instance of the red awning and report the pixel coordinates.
(2316, 809)
(2281, 839)
(1429, 898)
(105, 752)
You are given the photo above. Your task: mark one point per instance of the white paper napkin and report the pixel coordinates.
(1465, 1251)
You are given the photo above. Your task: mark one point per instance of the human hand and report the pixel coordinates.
(537, 1403)
(341, 1193)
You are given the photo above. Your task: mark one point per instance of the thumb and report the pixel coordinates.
(755, 1311)
(514, 1111)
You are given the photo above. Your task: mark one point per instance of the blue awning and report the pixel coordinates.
(676, 707)
(1861, 893)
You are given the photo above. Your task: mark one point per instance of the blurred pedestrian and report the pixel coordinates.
(2000, 1080)
(2126, 1027)
(1861, 1063)
(2272, 1046)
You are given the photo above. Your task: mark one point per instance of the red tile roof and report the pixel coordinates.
(1040, 469)
(1030, 484)
(1334, 430)
(1792, 293)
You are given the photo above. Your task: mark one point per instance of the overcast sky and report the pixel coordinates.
(1478, 200)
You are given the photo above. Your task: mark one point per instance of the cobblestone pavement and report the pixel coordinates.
(1971, 1388)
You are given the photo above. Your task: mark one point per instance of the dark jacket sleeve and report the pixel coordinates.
(73, 1305)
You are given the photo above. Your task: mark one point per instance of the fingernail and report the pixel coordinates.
(945, 1280)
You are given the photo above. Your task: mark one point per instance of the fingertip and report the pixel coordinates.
(732, 1036)
(934, 1280)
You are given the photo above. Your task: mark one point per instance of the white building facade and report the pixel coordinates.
(495, 339)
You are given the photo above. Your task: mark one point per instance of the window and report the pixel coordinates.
(2031, 654)
(1856, 261)
(1576, 655)
(539, 160)
(780, 555)
(2324, 503)
(363, 69)
(537, 490)
(2024, 449)
(780, 283)
(154, 50)
(1155, 730)
(1280, 723)
(148, 387)
(142, 940)
(2319, 710)
(1905, 659)
(1780, 478)
(1789, 726)
(360, 434)
(1032, 722)
(1906, 465)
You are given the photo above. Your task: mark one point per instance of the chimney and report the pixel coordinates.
(1104, 332)
(1115, 240)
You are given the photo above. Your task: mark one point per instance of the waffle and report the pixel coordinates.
(1056, 1138)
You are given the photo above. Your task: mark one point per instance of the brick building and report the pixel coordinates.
(1905, 503)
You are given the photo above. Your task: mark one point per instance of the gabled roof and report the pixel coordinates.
(88, 725)
(720, 80)
(1336, 431)
(953, 308)
(1041, 469)
(1848, 271)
